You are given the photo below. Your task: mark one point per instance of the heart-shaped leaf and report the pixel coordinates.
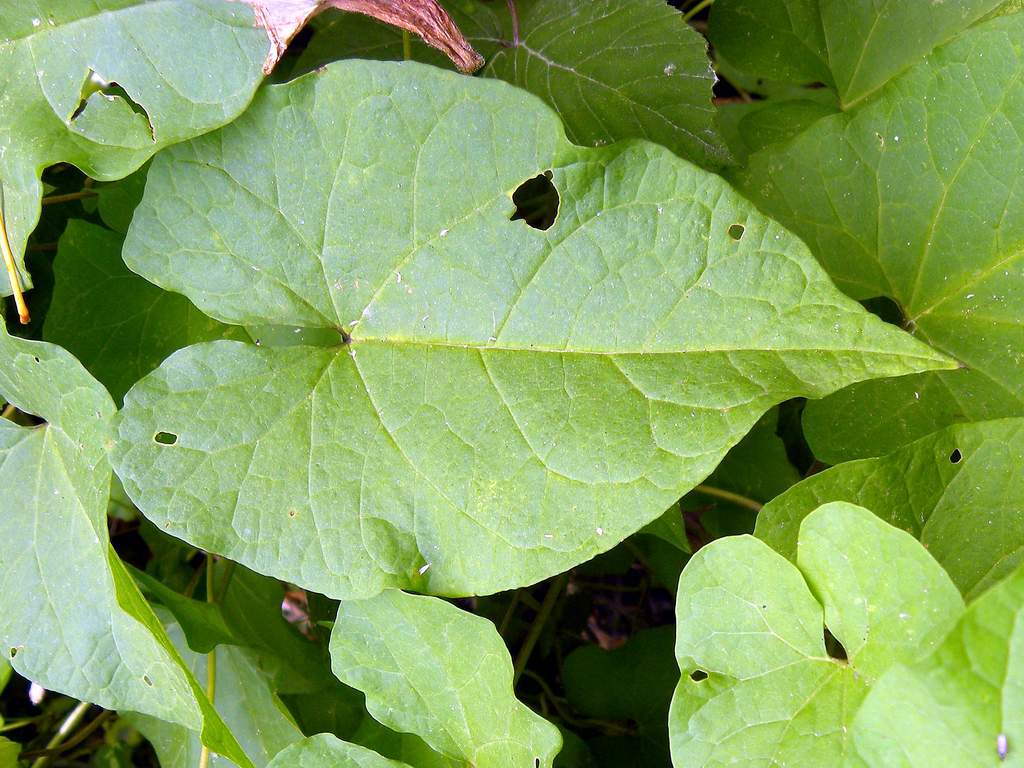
(503, 402)
(760, 682)
(327, 751)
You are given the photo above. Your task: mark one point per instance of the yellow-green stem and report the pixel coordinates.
(556, 588)
(211, 660)
(736, 498)
(697, 9)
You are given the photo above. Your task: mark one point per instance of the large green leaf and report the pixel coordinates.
(430, 669)
(120, 326)
(960, 491)
(964, 704)
(243, 697)
(506, 401)
(327, 751)
(758, 683)
(71, 617)
(612, 69)
(916, 195)
(855, 46)
(159, 59)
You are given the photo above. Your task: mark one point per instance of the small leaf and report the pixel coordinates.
(71, 617)
(964, 704)
(504, 402)
(912, 196)
(105, 84)
(960, 491)
(327, 751)
(120, 326)
(759, 682)
(430, 669)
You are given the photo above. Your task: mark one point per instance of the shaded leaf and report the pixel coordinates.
(430, 669)
(72, 619)
(960, 491)
(964, 704)
(326, 751)
(104, 85)
(855, 47)
(120, 326)
(507, 401)
(612, 69)
(758, 683)
(243, 698)
(915, 195)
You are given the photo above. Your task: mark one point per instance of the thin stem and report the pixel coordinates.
(78, 738)
(697, 9)
(211, 659)
(406, 45)
(507, 618)
(514, 13)
(9, 411)
(70, 723)
(735, 498)
(556, 588)
(12, 268)
(67, 198)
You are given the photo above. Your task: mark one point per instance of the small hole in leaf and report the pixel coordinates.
(536, 202)
(834, 648)
(147, 681)
(14, 652)
(36, 359)
(698, 674)
(736, 231)
(955, 457)
(885, 309)
(165, 438)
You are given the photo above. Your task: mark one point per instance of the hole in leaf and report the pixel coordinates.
(14, 652)
(165, 438)
(94, 83)
(955, 457)
(736, 231)
(36, 359)
(698, 674)
(147, 681)
(536, 202)
(834, 648)
(886, 309)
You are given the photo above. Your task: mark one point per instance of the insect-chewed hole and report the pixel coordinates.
(698, 674)
(147, 681)
(536, 202)
(834, 648)
(13, 652)
(736, 231)
(885, 309)
(165, 438)
(955, 457)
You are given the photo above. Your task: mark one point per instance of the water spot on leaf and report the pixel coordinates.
(736, 231)
(536, 201)
(165, 438)
(955, 457)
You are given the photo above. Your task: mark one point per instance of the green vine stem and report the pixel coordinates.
(211, 659)
(553, 593)
(735, 498)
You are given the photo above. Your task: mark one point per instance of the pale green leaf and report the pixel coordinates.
(612, 69)
(956, 706)
(71, 618)
(959, 491)
(758, 686)
(855, 46)
(430, 669)
(105, 84)
(916, 195)
(120, 326)
(510, 401)
(9, 752)
(327, 751)
(244, 699)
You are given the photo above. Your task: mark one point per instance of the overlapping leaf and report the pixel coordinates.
(506, 402)
(612, 69)
(327, 751)
(430, 669)
(71, 618)
(916, 195)
(118, 325)
(855, 47)
(960, 491)
(964, 704)
(758, 682)
(104, 85)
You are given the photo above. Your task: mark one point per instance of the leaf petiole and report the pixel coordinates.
(12, 269)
